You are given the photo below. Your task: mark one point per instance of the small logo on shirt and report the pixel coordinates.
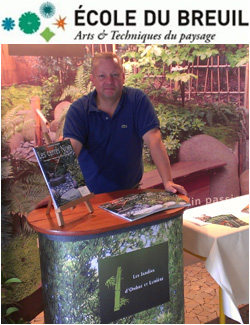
(124, 126)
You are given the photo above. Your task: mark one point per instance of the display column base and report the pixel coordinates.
(72, 276)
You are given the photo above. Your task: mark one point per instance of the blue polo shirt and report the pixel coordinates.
(111, 157)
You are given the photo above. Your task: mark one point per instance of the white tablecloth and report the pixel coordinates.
(226, 250)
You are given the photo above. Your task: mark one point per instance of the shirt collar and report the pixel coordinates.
(92, 101)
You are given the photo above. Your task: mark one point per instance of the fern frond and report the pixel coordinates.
(82, 79)
(11, 114)
(71, 91)
(12, 123)
(25, 196)
(6, 170)
(6, 225)
(22, 126)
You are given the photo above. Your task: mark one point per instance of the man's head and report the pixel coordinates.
(107, 75)
(105, 56)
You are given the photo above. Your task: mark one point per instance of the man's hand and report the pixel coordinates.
(174, 188)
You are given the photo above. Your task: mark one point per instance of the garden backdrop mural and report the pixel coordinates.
(196, 89)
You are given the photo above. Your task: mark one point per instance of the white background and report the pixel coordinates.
(224, 34)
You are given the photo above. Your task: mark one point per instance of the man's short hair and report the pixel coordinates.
(105, 56)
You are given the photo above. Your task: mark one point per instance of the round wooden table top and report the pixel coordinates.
(79, 222)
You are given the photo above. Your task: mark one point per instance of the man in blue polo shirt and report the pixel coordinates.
(107, 129)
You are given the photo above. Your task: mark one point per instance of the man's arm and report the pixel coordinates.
(77, 145)
(159, 154)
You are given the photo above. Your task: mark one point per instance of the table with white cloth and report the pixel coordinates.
(226, 250)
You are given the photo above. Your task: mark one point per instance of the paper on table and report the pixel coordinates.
(228, 220)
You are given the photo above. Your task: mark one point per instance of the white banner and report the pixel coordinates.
(127, 22)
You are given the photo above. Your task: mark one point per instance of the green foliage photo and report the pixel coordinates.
(71, 282)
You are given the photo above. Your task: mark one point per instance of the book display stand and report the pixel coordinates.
(72, 205)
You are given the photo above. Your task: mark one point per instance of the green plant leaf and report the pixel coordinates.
(12, 280)
(11, 310)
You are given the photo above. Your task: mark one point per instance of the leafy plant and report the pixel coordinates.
(236, 55)
(82, 79)
(12, 122)
(177, 54)
(179, 75)
(23, 186)
(177, 124)
(26, 193)
(147, 59)
(172, 146)
(62, 67)
(82, 85)
(20, 259)
(6, 299)
(219, 113)
(50, 94)
(17, 95)
(110, 282)
(158, 63)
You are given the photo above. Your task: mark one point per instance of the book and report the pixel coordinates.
(61, 171)
(139, 205)
(228, 220)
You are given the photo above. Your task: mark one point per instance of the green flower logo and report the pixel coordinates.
(29, 22)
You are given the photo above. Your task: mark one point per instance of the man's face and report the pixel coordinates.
(108, 79)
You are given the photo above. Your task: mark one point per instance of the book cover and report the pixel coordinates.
(61, 171)
(228, 220)
(136, 206)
